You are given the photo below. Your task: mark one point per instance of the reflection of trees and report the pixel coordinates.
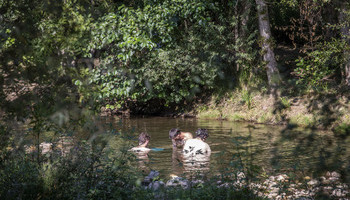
(303, 152)
(177, 162)
(189, 165)
(311, 152)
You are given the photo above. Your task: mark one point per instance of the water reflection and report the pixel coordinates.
(177, 162)
(197, 164)
(143, 161)
(191, 165)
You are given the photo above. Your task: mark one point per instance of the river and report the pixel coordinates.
(238, 146)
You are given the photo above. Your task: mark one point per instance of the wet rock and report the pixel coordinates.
(150, 177)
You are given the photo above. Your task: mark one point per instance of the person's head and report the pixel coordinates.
(174, 132)
(202, 134)
(143, 138)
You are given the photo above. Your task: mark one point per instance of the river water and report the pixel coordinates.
(238, 146)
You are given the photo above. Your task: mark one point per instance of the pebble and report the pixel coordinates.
(338, 193)
(313, 182)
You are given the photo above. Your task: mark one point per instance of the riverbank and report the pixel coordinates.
(322, 111)
(280, 186)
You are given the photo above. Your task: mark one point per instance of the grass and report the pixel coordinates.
(311, 110)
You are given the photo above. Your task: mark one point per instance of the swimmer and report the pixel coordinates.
(197, 146)
(144, 139)
(178, 138)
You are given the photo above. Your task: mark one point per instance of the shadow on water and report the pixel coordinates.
(314, 151)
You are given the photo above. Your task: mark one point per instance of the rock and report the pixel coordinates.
(272, 184)
(29, 149)
(281, 178)
(335, 174)
(323, 180)
(272, 195)
(275, 190)
(177, 181)
(343, 186)
(333, 179)
(195, 183)
(225, 185)
(46, 147)
(150, 177)
(303, 198)
(338, 193)
(313, 182)
(327, 189)
(156, 185)
(240, 175)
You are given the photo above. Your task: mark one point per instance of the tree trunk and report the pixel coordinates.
(236, 33)
(345, 32)
(266, 40)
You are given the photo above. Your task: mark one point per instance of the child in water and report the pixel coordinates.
(197, 146)
(178, 138)
(144, 139)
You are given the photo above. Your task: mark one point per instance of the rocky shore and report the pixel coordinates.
(279, 187)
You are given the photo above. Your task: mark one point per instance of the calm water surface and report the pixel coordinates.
(275, 149)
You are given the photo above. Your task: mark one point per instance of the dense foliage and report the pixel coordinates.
(61, 61)
(134, 55)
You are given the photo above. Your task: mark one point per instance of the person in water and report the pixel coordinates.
(178, 138)
(197, 146)
(144, 139)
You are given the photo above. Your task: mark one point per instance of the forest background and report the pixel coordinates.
(264, 61)
(64, 62)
